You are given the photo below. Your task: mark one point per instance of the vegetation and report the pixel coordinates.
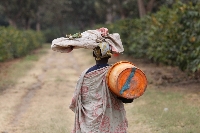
(170, 36)
(175, 39)
(162, 109)
(162, 31)
(58, 18)
(12, 70)
(17, 43)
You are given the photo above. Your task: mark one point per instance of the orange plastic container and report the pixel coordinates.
(126, 80)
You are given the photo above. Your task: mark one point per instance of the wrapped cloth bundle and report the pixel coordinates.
(88, 40)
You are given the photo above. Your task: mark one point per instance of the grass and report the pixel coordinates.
(167, 112)
(12, 70)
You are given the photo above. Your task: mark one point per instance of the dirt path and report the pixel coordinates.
(39, 102)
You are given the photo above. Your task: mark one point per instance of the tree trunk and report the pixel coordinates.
(109, 16)
(38, 26)
(12, 23)
(141, 8)
(119, 7)
(150, 5)
(27, 23)
(92, 22)
(60, 22)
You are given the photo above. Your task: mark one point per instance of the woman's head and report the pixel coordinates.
(103, 50)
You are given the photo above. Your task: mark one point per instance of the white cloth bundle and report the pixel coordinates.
(88, 40)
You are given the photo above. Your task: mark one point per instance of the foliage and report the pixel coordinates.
(49, 34)
(21, 13)
(175, 36)
(170, 36)
(16, 43)
(133, 33)
(62, 14)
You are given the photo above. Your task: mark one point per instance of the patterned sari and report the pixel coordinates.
(96, 109)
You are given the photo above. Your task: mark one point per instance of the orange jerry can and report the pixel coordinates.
(125, 80)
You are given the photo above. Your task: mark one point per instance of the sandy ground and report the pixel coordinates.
(39, 102)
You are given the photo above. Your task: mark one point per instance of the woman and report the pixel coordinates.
(96, 109)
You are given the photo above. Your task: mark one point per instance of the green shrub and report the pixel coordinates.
(16, 43)
(4, 45)
(51, 34)
(138, 39)
(170, 36)
(133, 33)
(175, 36)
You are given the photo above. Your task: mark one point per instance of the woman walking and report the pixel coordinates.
(96, 109)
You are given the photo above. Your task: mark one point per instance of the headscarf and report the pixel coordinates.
(102, 50)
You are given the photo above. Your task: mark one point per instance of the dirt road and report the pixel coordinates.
(39, 102)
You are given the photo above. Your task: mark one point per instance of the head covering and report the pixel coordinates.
(89, 39)
(102, 50)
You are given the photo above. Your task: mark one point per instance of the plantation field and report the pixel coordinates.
(35, 92)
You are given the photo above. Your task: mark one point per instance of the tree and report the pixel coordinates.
(82, 13)
(11, 10)
(111, 10)
(20, 13)
(144, 9)
(29, 12)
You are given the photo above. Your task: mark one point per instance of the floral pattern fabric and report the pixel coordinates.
(96, 109)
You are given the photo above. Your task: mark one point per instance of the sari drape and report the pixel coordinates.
(97, 110)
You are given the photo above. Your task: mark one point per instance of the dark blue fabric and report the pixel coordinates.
(98, 66)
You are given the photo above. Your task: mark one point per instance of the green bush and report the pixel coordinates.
(51, 34)
(134, 35)
(4, 45)
(16, 43)
(137, 41)
(175, 36)
(170, 36)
